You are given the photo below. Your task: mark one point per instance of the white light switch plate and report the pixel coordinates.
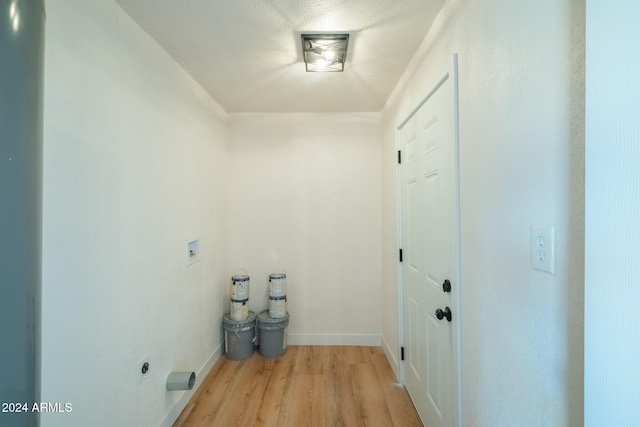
(543, 249)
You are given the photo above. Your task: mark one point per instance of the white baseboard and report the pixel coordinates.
(179, 406)
(334, 339)
(393, 361)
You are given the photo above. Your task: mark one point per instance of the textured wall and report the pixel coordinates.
(521, 70)
(305, 197)
(134, 167)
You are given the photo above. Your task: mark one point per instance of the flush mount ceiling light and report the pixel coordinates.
(324, 52)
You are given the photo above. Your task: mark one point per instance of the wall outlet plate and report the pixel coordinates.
(543, 249)
(193, 251)
(142, 371)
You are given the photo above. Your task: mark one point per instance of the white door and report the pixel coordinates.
(429, 241)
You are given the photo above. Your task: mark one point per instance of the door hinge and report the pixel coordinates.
(399, 157)
(400, 255)
(401, 353)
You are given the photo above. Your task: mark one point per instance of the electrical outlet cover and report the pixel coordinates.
(193, 251)
(140, 375)
(543, 248)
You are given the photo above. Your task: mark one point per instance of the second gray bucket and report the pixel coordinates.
(272, 334)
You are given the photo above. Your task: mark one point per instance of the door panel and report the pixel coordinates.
(415, 316)
(428, 205)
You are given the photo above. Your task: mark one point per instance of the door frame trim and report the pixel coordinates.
(446, 71)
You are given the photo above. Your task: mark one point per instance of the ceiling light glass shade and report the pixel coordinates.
(324, 52)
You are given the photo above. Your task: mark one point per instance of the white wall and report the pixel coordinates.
(134, 167)
(521, 68)
(305, 198)
(612, 246)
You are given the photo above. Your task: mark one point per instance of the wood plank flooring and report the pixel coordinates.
(328, 386)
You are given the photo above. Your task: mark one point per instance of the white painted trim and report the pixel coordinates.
(457, 265)
(179, 406)
(334, 339)
(400, 302)
(393, 362)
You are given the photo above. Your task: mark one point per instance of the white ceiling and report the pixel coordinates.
(247, 53)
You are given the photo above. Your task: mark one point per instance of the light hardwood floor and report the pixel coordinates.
(308, 386)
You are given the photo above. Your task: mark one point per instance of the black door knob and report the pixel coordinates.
(446, 313)
(446, 286)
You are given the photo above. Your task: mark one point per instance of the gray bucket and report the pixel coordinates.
(273, 334)
(239, 336)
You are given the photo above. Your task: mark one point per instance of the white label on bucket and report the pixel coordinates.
(277, 308)
(240, 289)
(277, 287)
(239, 310)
